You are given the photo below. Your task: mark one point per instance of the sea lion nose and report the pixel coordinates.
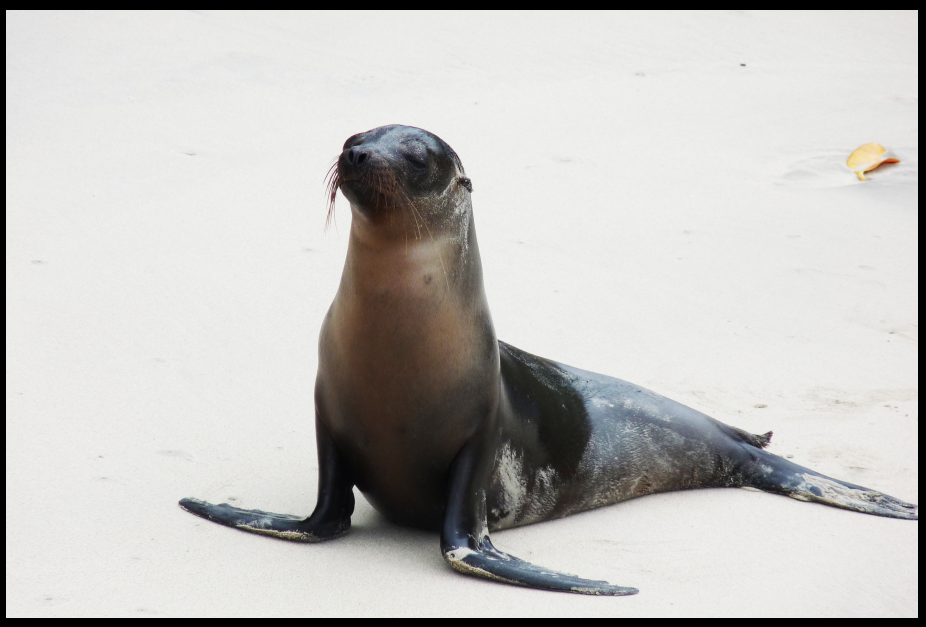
(357, 156)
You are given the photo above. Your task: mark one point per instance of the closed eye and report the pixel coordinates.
(416, 165)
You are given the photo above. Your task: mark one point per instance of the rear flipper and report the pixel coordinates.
(465, 540)
(778, 475)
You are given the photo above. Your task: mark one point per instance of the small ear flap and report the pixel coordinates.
(465, 182)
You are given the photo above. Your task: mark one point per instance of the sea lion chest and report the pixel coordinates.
(405, 379)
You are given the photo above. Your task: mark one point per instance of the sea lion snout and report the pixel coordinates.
(356, 156)
(369, 180)
(355, 162)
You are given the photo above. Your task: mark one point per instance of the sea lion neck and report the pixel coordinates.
(414, 263)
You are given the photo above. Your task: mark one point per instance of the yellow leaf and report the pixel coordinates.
(869, 157)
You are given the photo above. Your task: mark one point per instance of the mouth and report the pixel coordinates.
(362, 195)
(354, 187)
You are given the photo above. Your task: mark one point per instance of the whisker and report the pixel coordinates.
(332, 183)
(436, 247)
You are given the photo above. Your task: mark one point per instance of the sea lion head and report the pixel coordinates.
(402, 176)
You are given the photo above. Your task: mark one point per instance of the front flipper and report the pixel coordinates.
(330, 519)
(281, 526)
(493, 564)
(466, 546)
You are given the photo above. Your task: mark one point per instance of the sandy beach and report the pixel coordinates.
(661, 197)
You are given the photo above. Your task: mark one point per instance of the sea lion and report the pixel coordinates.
(442, 426)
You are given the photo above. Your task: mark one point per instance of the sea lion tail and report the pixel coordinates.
(758, 441)
(781, 476)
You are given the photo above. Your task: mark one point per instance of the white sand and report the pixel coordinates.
(647, 207)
